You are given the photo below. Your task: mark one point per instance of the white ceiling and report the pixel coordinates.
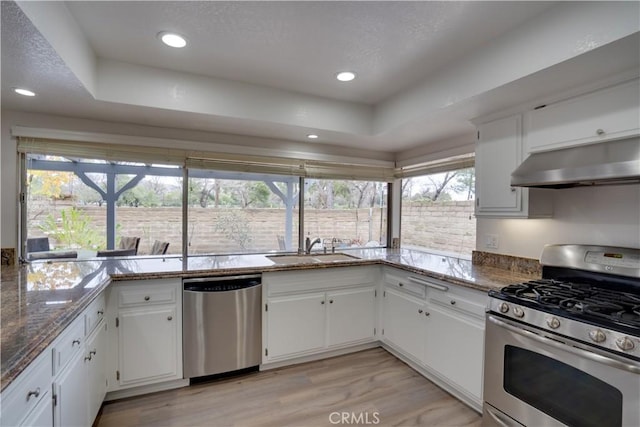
(266, 69)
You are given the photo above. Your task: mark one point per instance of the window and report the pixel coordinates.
(438, 212)
(77, 207)
(345, 213)
(232, 212)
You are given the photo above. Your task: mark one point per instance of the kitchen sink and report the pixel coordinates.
(310, 259)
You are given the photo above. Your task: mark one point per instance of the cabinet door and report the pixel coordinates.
(455, 348)
(97, 370)
(403, 325)
(42, 415)
(70, 389)
(610, 113)
(498, 152)
(350, 316)
(295, 324)
(147, 342)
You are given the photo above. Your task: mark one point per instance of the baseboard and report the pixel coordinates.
(319, 356)
(145, 389)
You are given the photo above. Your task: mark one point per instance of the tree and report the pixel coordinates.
(73, 229)
(466, 182)
(441, 184)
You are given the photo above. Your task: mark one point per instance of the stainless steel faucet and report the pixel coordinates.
(308, 245)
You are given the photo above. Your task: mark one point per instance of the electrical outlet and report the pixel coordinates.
(492, 241)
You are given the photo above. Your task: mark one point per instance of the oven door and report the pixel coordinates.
(533, 380)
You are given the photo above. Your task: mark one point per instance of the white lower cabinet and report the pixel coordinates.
(71, 399)
(309, 312)
(146, 337)
(454, 348)
(440, 329)
(79, 384)
(97, 369)
(403, 322)
(296, 324)
(351, 316)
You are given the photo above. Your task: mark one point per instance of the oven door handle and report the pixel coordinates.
(596, 357)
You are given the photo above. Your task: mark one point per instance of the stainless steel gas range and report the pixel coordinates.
(565, 350)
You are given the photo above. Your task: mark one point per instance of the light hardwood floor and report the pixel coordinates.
(372, 383)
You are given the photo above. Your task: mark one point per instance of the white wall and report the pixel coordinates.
(606, 215)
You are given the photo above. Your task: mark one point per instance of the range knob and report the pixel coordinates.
(553, 322)
(503, 307)
(597, 335)
(625, 344)
(518, 312)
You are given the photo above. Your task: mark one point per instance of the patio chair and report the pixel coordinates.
(159, 248)
(129, 243)
(38, 244)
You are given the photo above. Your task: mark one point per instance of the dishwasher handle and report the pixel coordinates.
(221, 284)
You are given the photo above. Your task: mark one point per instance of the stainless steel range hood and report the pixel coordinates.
(609, 162)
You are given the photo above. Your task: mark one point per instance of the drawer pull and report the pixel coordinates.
(400, 284)
(429, 284)
(87, 357)
(426, 313)
(147, 298)
(330, 301)
(100, 312)
(74, 342)
(453, 302)
(92, 352)
(35, 393)
(600, 131)
(420, 311)
(170, 318)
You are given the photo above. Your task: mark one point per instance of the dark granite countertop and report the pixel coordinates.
(40, 299)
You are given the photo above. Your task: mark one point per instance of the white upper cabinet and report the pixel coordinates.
(498, 153)
(611, 113)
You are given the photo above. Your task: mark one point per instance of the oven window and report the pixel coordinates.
(569, 395)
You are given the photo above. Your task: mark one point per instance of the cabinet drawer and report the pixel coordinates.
(403, 283)
(94, 314)
(70, 342)
(24, 394)
(146, 295)
(457, 302)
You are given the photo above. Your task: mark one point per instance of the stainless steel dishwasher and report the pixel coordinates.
(222, 324)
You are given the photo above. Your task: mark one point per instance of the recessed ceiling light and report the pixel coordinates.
(312, 136)
(172, 39)
(24, 92)
(346, 76)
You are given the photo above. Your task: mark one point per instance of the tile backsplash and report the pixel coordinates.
(507, 262)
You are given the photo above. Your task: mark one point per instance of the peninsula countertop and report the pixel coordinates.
(39, 300)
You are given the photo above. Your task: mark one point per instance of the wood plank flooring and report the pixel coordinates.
(372, 384)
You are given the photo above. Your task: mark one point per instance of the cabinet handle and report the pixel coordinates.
(513, 189)
(147, 298)
(600, 131)
(426, 313)
(92, 352)
(35, 393)
(330, 301)
(74, 342)
(400, 284)
(420, 311)
(87, 357)
(453, 302)
(100, 312)
(321, 302)
(170, 318)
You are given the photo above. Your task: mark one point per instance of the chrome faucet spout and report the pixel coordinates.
(310, 244)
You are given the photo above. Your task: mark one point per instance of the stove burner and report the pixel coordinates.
(577, 300)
